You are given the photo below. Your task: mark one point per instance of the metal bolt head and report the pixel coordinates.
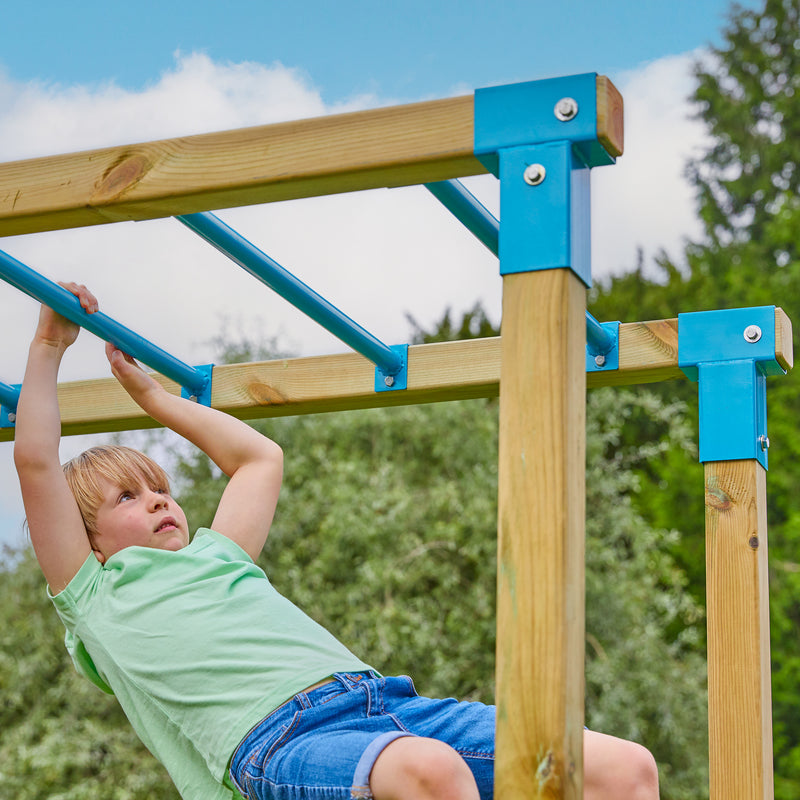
(600, 361)
(193, 398)
(12, 417)
(566, 109)
(752, 333)
(764, 442)
(389, 380)
(534, 174)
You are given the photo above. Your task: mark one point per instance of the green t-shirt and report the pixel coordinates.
(197, 646)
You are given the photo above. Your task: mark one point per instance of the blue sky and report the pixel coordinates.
(76, 76)
(404, 50)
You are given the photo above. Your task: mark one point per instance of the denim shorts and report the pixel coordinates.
(323, 743)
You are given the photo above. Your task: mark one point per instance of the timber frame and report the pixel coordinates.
(538, 368)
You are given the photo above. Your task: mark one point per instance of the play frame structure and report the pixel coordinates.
(540, 139)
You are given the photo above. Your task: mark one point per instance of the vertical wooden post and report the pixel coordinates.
(739, 692)
(541, 496)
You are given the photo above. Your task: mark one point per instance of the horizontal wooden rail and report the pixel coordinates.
(395, 146)
(436, 372)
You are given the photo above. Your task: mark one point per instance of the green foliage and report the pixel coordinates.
(386, 534)
(747, 188)
(60, 737)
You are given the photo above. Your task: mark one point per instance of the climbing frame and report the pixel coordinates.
(540, 139)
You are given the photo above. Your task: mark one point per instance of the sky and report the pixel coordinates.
(76, 76)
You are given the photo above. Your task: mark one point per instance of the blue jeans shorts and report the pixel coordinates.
(322, 744)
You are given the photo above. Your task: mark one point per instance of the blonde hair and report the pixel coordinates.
(123, 466)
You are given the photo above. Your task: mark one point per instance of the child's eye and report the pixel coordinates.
(125, 496)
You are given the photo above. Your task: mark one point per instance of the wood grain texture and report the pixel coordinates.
(540, 594)
(784, 347)
(396, 146)
(437, 372)
(739, 693)
(610, 117)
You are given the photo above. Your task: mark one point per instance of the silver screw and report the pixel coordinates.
(566, 109)
(389, 380)
(193, 398)
(764, 442)
(752, 333)
(600, 360)
(534, 174)
(12, 417)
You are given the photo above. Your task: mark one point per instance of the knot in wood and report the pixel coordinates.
(264, 394)
(717, 498)
(121, 176)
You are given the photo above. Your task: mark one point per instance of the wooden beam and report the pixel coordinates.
(395, 146)
(444, 371)
(737, 598)
(610, 117)
(437, 372)
(540, 574)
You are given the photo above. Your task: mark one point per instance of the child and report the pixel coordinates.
(226, 682)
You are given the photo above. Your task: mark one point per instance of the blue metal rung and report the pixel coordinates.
(195, 380)
(468, 210)
(9, 397)
(388, 360)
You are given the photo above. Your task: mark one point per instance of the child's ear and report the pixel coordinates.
(99, 556)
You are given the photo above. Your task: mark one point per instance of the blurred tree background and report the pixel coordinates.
(386, 529)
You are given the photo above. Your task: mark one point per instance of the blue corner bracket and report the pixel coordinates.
(730, 354)
(397, 380)
(203, 395)
(602, 345)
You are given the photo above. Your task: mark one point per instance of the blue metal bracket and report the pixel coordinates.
(203, 396)
(537, 112)
(602, 345)
(393, 381)
(546, 213)
(540, 138)
(9, 397)
(730, 353)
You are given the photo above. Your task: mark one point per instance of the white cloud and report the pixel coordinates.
(644, 200)
(376, 255)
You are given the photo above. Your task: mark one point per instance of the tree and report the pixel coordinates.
(386, 534)
(747, 192)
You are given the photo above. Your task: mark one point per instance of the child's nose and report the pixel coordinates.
(158, 499)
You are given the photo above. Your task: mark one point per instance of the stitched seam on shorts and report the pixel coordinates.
(278, 742)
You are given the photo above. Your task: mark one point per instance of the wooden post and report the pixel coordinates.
(540, 615)
(739, 692)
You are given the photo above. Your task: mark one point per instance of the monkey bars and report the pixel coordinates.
(540, 139)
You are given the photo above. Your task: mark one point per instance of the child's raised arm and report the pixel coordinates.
(57, 531)
(253, 462)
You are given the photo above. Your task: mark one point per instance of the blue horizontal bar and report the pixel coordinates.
(9, 396)
(261, 266)
(598, 340)
(65, 303)
(468, 210)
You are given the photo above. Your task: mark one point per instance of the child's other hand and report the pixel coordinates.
(133, 378)
(56, 330)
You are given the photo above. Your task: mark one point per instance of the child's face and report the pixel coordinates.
(138, 515)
